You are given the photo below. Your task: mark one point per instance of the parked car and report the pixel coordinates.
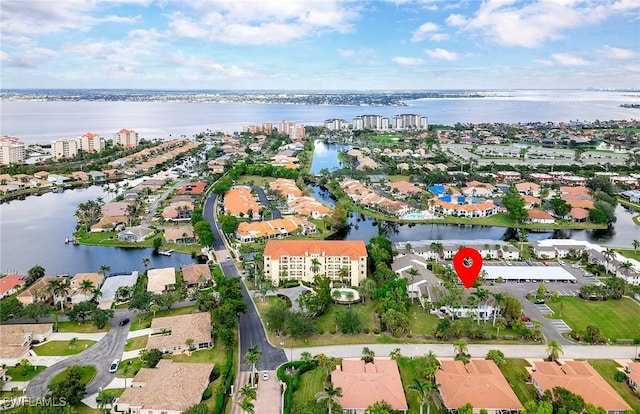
(545, 263)
(124, 321)
(114, 365)
(265, 375)
(525, 319)
(539, 301)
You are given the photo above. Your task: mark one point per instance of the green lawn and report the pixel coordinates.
(311, 382)
(257, 180)
(617, 319)
(88, 373)
(630, 253)
(516, 373)
(143, 320)
(17, 374)
(134, 365)
(62, 348)
(87, 327)
(396, 178)
(138, 342)
(607, 369)
(410, 369)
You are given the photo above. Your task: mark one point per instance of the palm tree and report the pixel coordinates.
(481, 295)
(125, 373)
(86, 286)
(428, 392)
(365, 288)
(635, 243)
(248, 392)
(247, 406)
(330, 395)
(438, 248)
(413, 272)
(344, 274)
(188, 342)
(58, 289)
(554, 349)
(104, 269)
(461, 348)
(367, 354)
(499, 299)
(104, 398)
(315, 265)
(253, 357)
(145, 263)
(609, 254)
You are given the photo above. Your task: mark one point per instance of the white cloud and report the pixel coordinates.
(423, 30)
(565, 59)
(408, 61)
(530, 24)
(611, 52)
(346, 52)
(208, 67)
(265, 22)
(438, 37)
(442, 54)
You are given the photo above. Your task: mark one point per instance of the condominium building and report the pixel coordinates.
(335, 124)
(297, 133)
(64, 148)
(265, 127)
(374, 122)
(304, 259)
(285, 127)
(410, 121)
(126, 138)
(91, 142)
(11, 151)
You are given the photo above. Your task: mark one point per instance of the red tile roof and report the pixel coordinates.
(355, 249)
(9, 282)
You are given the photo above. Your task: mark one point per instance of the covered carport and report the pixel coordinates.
(528, 274)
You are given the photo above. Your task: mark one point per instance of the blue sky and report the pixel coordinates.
(320, 44)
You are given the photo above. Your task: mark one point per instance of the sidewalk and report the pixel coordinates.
(67, 336)
(139, 332)
(90, 400)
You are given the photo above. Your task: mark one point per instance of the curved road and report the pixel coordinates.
(99, 355)
(251, 328)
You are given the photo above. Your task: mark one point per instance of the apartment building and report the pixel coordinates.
(410, 121)
(64, 148)
(336, 124)
(11, 151)
(374, 122)
(126, 138)
(90, 142)
(304, 259)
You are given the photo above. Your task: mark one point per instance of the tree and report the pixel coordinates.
(315, 265)
(514, 203)
(35, 273)
(247, 391)
(36, 311)
(431, 365)
(330, 395)
(276, 315)
(537, 407)
(301, 324)
(145, 262)
(560, 207)
(565, 400)
(104, 399)
(428, 392)
(58, 290)
(104, 269)
(87, 287)
(380, 407)
(554, 349)
(197, 409)
(247, 406)
(150, 357)
(70, 388)
(367, 355)
(609, 254)
(496, 356)
(100, 317)
(636, 244)
(396, 322)
(349, 322)
(252, 357)
(365, 288)
(228, 223)
(25, 366)
(461, 349)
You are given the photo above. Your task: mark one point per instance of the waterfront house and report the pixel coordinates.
(38, 291)
(578, 215)
(239, 202)
(178, 211)
(537, 216)
(479, 383)
(196, 275)
(363, 384)
(135, 234)
(182, 235)
(75, 291)
(308, 206)
(160, 280)
(170, 387)
(286, 187)
(10, 284)
(580, 378)
(170, 334)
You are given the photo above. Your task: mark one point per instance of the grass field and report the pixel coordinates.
(311, 382)
(410, 369)
(256, 179)
(87, 327)
(87, 373)
(143, 321)
(630, 253)
(515, 373)
(16, 374)
(617, 319)
(138, 342)
(396, 178)
(607, 369)
(62, 348)
(134, 365)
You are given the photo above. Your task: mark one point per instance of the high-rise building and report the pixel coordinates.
(285, 127)
(64, 148)
(335, 124)
(90, 142)
(373, 122)
(410, 121)
(11, 151)
(297, 133)
(126, 138)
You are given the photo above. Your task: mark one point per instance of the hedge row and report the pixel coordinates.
(292, 382)
(227, 380)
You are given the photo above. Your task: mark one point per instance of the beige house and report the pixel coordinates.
(169, 388)
(36, 292)
(182, 235)
(160, 279)
(304, 259)
(580, 378)
(15, 340)
(196, 274)
(170, 334)
(364, 384)
(484, 386)
(75, 293)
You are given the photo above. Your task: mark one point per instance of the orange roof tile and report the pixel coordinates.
(355, 249)
(10, 282)
(239, 200)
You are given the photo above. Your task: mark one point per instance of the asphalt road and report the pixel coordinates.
(275, 212)
(251, 329)
(99, 355)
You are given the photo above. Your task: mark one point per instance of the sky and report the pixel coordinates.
(320, 44)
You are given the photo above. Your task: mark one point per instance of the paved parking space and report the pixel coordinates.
(560, 325)
(544, 309)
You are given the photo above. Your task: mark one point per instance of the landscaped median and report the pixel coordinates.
(63, 348)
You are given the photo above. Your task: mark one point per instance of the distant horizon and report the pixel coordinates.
(400, 90)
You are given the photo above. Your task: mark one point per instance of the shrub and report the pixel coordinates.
(620, 376)
(332, 331)
(206, 394)
(376, 331)
(365, 330)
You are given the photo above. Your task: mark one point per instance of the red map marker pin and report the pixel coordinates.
(467, 263)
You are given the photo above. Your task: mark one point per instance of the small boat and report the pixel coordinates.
(165, 252)
(66, 240)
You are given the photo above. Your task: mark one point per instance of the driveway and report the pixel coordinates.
(275, 212)
(100, 355)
